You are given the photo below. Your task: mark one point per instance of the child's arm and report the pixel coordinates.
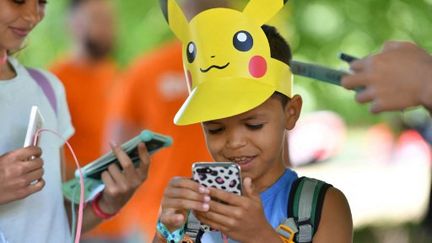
(336, 222)
(181, 195)
(120, 185)
(241, 218)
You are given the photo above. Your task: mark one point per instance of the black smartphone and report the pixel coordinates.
(153, 141)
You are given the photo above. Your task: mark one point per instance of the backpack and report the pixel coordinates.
(305, 202)
(43, 82)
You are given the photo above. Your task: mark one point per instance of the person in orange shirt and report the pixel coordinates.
(88, 74)
(152, 90)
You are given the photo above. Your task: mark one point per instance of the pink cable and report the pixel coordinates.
(81, 201)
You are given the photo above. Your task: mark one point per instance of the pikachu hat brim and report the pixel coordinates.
(226, 97)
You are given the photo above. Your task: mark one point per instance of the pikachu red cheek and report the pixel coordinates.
(257, 66)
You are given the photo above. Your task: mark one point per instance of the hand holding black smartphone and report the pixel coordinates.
(152, 140)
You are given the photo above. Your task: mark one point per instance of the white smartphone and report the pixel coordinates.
(221, 175)
(36, 122)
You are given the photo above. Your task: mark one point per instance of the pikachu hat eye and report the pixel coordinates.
(243, 41)
(191, 52)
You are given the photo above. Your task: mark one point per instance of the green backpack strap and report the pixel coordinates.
(304, 206)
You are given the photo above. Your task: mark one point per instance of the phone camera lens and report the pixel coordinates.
(201, 170)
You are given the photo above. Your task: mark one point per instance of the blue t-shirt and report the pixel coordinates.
(274, 201)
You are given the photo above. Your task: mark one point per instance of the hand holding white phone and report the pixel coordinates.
(36, 122)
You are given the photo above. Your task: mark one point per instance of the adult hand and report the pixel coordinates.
(21, 174)
(398, 77)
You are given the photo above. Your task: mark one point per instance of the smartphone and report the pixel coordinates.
(321, 73)
(153, 141)
(221, 175)
(36, 122)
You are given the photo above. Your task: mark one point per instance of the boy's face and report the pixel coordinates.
(254, 139)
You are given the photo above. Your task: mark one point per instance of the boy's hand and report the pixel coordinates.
(181, 195)
(241, 218)
(21, 174)
(122, 183)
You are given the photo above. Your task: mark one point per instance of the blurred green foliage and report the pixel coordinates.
(316, 29)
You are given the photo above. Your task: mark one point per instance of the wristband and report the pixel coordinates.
(97, 210)
(172, 237)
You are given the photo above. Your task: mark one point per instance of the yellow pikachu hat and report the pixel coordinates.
(226, 58)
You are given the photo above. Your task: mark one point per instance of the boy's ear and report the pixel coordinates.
(175, 18)
(292, 111)
(263, 10)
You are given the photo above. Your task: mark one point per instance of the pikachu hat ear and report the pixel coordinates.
(175, 18)
(263, 10)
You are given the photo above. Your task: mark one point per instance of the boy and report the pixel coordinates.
(244, 113)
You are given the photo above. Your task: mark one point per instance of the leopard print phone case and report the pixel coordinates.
(221, 175)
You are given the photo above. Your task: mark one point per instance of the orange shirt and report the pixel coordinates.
(152, 91)
(87, 89)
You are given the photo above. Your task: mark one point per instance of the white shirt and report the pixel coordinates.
(41, 217)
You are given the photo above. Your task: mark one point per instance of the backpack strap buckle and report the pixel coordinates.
(287, 230)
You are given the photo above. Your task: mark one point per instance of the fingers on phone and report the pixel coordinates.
(182, 203)
(144, 165)
(183, 193)
(123, 180)
(31, 188)
(28, 153)
(365, 96)
(123, 158)
(353, 81)
(186, 194)
(33, 176)
(37, 186)
(108, 180)
(181, 182)
(32, 165)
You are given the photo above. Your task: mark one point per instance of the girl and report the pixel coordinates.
(31, 202)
